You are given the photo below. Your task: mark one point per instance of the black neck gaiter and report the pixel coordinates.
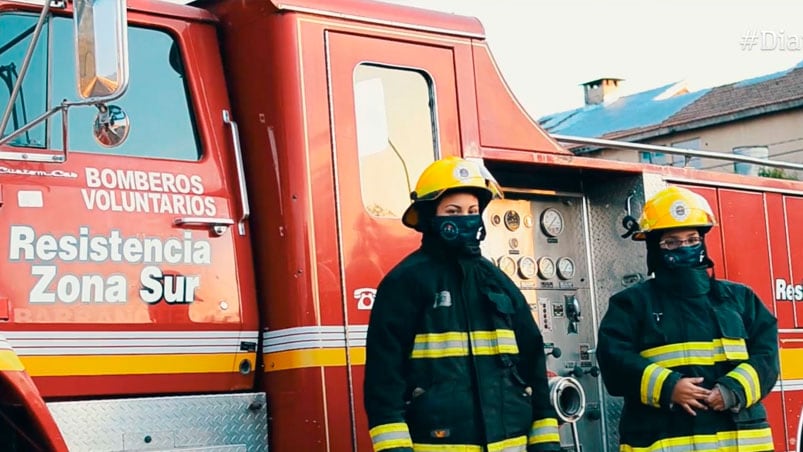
(460, 234)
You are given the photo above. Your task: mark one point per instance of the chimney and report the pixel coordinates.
(601, 90)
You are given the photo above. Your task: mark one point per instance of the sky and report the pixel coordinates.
(547, 48)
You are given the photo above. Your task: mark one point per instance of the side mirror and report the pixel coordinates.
(101, 46)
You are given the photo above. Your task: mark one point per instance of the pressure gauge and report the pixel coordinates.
(546, 268)
(552, 222)
(527, 267)
(566, 268)
(507, 265)
(512, 220)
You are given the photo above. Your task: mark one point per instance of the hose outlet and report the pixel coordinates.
(567, 396)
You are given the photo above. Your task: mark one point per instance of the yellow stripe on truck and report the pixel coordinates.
(10, 362)
(792, 363)
(57, 366)
(313, 357)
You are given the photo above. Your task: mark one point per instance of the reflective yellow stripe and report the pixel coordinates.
(389, 436)
(735, 349)
(313, 357)
(54, 366)
(517, 444)
(544, 431)
(452, 344)
(10, 362)
(747, 376)
(652, 381)
(494, 342)
(418, 447)
(755, 440)
(438, 345)
(697, 353)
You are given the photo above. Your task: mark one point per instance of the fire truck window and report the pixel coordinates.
(395, 135)
(16, 32)
(157, 103)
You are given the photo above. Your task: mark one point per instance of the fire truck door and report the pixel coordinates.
(123, 256)
(394, 112)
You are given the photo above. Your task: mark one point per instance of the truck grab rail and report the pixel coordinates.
(238, 152)
(677, 151)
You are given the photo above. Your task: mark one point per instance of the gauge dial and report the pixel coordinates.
(566, 268)
(552, 222)
(507, 265)
(512, 220)
(546, 268)
(527, 267)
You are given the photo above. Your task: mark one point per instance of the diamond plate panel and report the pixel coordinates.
(219, 423)
(617, 262)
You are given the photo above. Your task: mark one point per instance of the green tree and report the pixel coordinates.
(776, 173)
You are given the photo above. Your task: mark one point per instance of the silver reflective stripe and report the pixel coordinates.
(748, 378)
(450, 344)
(390, 436)
(732, 441)
(697, 353)
(735, 349)
(493, 346)
(686, 357)
(447, 346)
(652, 380)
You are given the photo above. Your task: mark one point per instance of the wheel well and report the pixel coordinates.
(16, 427)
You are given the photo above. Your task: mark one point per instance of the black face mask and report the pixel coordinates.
(461, 233)
(684, 257)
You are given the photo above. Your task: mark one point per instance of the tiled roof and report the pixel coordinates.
(653, 110)
(764, 91)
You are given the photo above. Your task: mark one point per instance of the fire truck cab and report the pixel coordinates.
(198, 203)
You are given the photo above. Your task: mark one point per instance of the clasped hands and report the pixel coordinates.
(689, 395)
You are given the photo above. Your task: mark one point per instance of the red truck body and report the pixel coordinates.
(145, 286)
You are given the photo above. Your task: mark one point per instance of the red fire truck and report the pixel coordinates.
(198, 202)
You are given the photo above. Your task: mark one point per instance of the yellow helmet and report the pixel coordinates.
(675, 207)
(450, 173)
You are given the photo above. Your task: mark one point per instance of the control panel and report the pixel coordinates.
(540, 242)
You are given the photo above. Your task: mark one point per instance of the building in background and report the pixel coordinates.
(759, 117)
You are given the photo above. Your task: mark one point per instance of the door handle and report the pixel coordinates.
(217, 225)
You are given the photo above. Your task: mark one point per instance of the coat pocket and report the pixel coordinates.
(734, 335)
(503, 338)
(517, 408)
(442, 411)
(501, 302)
(752, 417)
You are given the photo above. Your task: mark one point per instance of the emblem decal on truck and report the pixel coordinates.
(365, 298)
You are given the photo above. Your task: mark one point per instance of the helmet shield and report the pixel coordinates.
(672, 208)
(451, 174)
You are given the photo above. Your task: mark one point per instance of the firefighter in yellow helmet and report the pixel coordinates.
(693, 356)
(454, 358)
